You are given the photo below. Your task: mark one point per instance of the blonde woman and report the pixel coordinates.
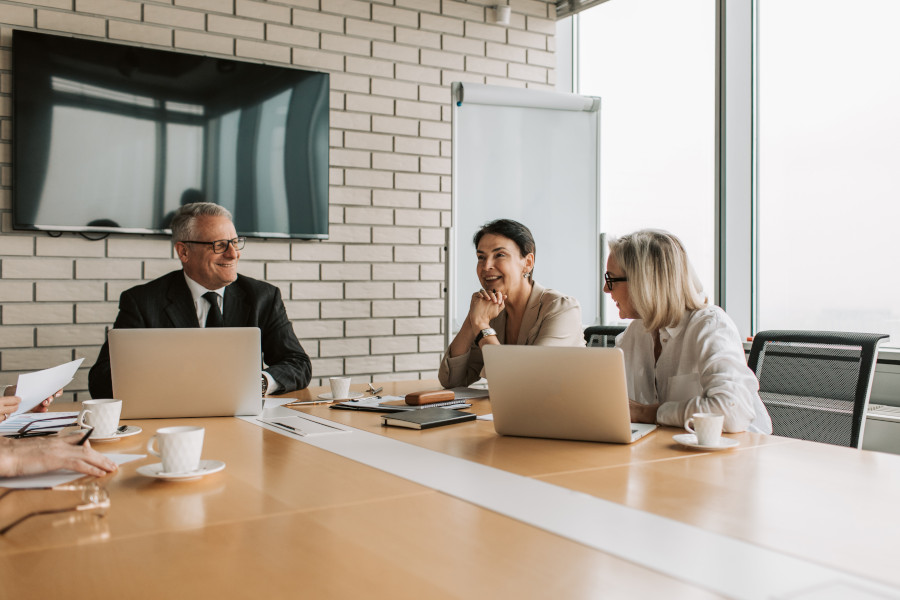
(682, 354)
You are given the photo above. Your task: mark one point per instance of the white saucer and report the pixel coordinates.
(690, 440)
(352, 396)
(129, 431)
(207, 467)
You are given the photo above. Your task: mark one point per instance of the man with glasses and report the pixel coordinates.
(209, 292)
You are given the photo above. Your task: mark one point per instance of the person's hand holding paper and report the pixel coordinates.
(37, 390)
(9, 402)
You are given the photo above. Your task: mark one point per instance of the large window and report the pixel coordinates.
(824, 152)
(828, 165)
(652, 62)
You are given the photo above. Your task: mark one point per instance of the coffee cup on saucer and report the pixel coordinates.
(102, 415)
(707, 427)
(340, 387)
(179, 448)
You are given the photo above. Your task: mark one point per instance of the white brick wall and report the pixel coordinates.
(369, 301)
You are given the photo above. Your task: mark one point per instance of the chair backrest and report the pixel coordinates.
(816, 384)
(603, 336)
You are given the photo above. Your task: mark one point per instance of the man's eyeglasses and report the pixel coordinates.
(220, 246)
(610, 280)
(94, 500)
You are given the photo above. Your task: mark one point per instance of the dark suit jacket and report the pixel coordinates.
(167, 302)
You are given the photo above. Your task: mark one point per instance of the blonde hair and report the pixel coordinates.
(662, 283)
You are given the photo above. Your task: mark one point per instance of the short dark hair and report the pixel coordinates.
(508, 228)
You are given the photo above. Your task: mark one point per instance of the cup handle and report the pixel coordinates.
(687, 425)
(150, 447)
(83, 412)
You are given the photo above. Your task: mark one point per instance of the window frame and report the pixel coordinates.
(736, 199)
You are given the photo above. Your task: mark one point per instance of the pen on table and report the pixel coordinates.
(373, 390)
(285, 426)
(85, 437)
(302, 402)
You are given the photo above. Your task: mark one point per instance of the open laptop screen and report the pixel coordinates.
(193, 372)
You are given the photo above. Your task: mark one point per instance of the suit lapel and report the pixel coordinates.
(532, 312)
(180, 307)
(235, 306)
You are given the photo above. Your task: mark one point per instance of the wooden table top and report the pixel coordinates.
(285, 518)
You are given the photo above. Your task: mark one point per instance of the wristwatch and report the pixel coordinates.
(265, 385)
(484, 333)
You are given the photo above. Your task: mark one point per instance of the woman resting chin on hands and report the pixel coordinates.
(511, 308)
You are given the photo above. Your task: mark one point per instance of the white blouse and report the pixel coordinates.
(702, 368)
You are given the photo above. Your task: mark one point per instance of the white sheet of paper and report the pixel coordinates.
(32, 388)
(370, 400)
(303, 425)
(60, 476)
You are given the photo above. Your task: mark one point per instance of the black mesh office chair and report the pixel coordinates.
(816, 384)
(602, 335)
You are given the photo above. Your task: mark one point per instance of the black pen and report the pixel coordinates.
(85, 437)
(286, 426)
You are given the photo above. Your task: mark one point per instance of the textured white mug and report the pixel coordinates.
(707, 427)
(102, 415)
(179, 448)
(340, 387)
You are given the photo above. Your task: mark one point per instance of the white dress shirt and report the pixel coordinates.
(202, 305)
(702, 368)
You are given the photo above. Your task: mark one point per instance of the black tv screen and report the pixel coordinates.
(110, 137)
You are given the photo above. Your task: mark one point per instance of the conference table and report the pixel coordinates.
(287, 518)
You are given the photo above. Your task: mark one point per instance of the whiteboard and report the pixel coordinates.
(532, 156)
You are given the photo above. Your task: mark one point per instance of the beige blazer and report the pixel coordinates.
(550, 319)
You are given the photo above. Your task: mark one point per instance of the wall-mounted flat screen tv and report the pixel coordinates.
(113, 138)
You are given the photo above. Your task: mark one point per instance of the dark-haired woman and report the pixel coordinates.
(511, 308)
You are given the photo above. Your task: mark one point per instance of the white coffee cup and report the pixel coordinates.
(179, 448)
(707, 427)
(102, 415)
(340, 387)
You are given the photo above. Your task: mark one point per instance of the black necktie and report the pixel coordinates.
(214, 316)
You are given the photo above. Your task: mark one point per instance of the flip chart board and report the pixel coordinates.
(532, 156)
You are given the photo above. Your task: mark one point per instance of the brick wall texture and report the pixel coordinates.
(368, 302)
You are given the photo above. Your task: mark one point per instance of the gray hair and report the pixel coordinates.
(186, 216)
(662, 283)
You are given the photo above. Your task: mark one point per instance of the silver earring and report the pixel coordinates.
(526, 274)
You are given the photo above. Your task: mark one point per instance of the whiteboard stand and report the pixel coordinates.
(532, 156)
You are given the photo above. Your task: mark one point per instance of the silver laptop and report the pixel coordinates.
(564, 393)
(194, 372)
